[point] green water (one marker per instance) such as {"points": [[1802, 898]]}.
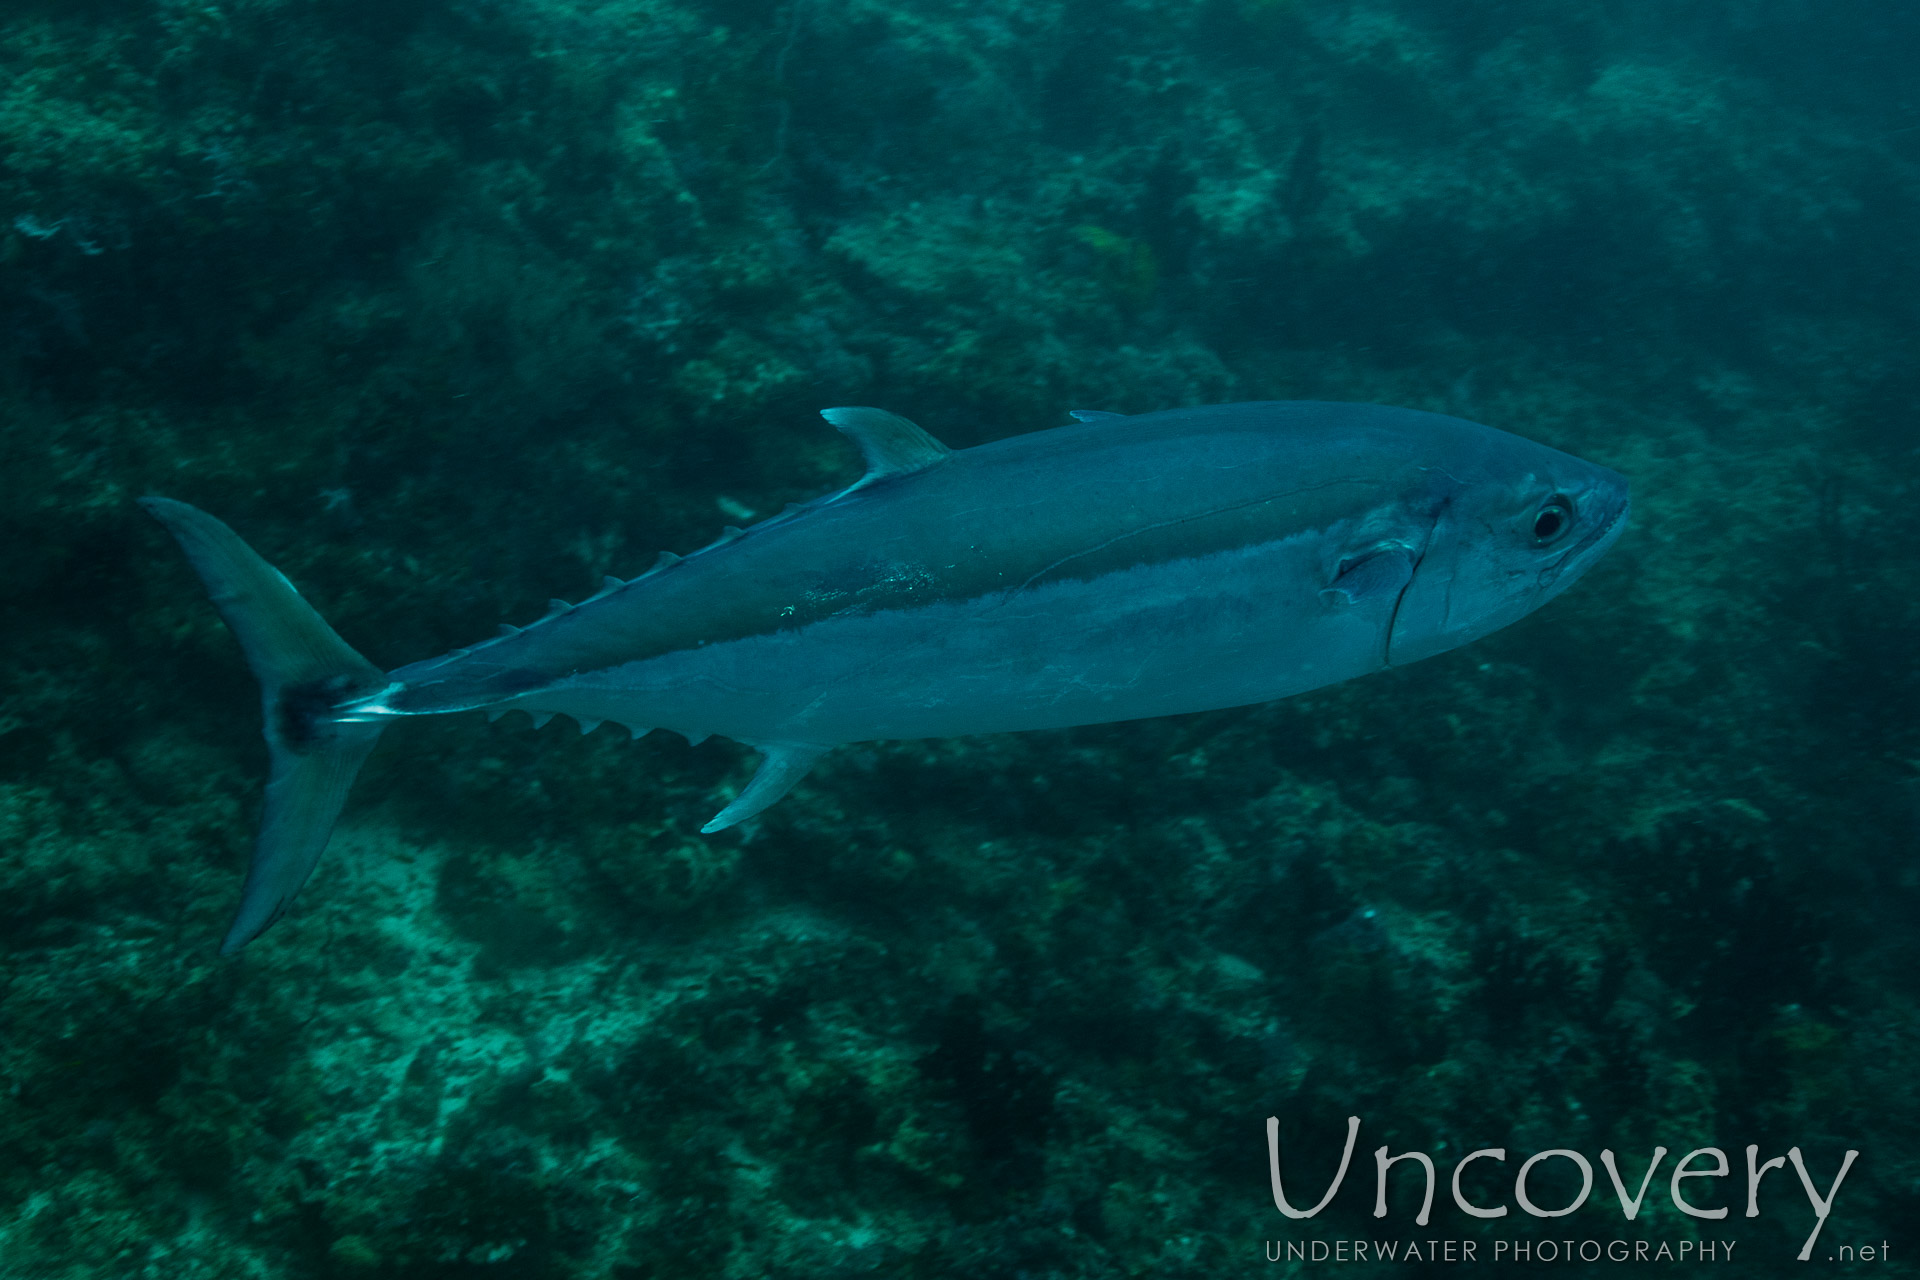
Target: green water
{"points": [[451, 306]]}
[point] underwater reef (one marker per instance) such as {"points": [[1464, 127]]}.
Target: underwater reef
{"points": [[450, 306]]}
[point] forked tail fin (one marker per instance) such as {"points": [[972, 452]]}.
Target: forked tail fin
{"points": [[306, 672]]}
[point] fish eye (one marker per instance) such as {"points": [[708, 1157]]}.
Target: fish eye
{"points": [[1552, 520]]}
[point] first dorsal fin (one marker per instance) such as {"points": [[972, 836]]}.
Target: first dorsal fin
{"points": [[1093, 415], [892, 445]]}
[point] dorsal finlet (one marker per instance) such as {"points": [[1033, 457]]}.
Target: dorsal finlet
{"points": [[892, 445], [666, 561], [508, 629], [611, 583], [556, 607]]}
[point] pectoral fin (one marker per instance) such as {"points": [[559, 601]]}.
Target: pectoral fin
{"points": [[785, 764], [1380, 574]]}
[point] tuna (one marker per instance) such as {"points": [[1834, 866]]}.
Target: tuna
{"points": [[1120, 567]]}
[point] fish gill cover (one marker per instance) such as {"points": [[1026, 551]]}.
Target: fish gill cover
{"points": [[453, 306]]}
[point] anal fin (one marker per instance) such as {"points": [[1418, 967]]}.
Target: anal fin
{"points": [[785, 764]]}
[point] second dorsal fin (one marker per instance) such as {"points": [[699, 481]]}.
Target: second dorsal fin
{"points": [[892, 445]]}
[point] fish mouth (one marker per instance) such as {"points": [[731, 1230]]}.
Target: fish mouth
{"points": [[1603, 537]]}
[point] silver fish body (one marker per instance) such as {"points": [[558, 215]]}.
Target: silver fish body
{"points": [[1117, 568], [1127, 567]]}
